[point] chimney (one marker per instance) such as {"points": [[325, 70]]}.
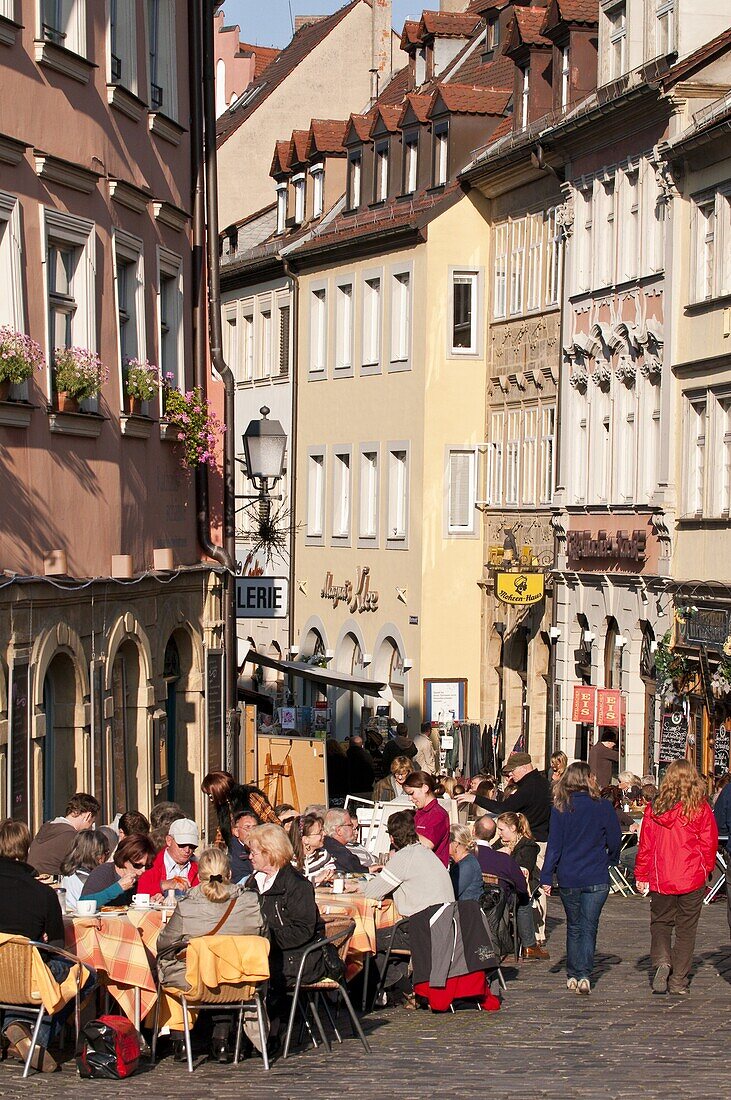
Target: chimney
{"points": [[301, 21], [381, 60]]}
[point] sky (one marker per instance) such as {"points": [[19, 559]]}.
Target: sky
{"points": [[267, 22]]}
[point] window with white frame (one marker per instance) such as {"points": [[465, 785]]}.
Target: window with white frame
{"points": [[266, 345], [162, 55], [130, 292], [554, 258], [283, 335], [548, 453], [629, 230], [400, 316], [534, 281], [397, 493], [500, 282], [704, 247], [695, 452], [372, 321], [664, 27], [461, 490], [722, 487], [341, 494], [723, 224], [512, 457], [616, 15], [368, 528], [355, 162], [411, 162], [298, 182], [281, 207], [380, 174], [315, 494], [170, 310], [495, 458], [12, 311], [625, 472], [344, 326], [123, 44], [7, 9], [231, 340], [318, 330], [530, 456], [517, 266], [63, 22], [565, 76], [247, 342], [649, 437], [604, 199], [318, 190], [70, 281], [600, 442], [654, 210], [464, 312], [585, 239], [441, 153], [524, 96]]}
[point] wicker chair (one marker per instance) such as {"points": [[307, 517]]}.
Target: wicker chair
{"points": [[340, 933], [17, 989], [241, 995]]}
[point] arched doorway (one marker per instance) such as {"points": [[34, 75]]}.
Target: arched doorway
{"points": [[347, 703], [184, 744], [59, 754], [128, 778], [390, 667], [313, 651]]}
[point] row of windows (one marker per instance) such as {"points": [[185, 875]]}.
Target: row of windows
{"points": [[387, 172], [71, 286], [257, 337], [521, 456], [364, 516], [620, 34], [707, 454], [527, 264], [64, 23]]}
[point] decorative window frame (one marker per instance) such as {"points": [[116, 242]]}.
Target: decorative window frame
{"points": [[368, 275], [399, 541], [477, 280], [473, 530], [338, 452], [130, 249], [401, 364], [365, 541]]}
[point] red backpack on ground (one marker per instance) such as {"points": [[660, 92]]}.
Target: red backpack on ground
{"points": [[109, 1047]]}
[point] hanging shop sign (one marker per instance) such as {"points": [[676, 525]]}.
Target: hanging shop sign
{"points": [[707, 626], [721, 750], [610, 708], [621, 545], [357, 596], [583, 711], [520, 589], [261, 597], [673, 736]]}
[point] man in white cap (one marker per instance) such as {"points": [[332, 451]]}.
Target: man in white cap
{"points": [[175, 866]]}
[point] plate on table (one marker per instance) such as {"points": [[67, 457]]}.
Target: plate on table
{"points": [[107, 909]]}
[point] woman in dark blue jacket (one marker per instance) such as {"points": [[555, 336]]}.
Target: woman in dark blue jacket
{"points": [[464, 868], [583, 842]]}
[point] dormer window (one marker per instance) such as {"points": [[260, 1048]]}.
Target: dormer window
{"points": [[281, 207], [524, 97], [355, 161], [441, 153], [381, 173], [664, 27], [298, 182], [616, 15], [492, 34], [411, 162], [318, 190], [565, 75]]}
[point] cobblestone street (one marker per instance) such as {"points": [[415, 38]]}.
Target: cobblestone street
{"points": [[619, 1043]]}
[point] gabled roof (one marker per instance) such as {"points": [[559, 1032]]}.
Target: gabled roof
{"points": [[707, 53], [280, 161], [396, 88], [481, 7], [359, 128], [581, 12], [326, 136], [298, 147], [469, 68], [448, 24], [389, 116], [526, 30], [411, 34], [419, 105], [465, 99], [305, 40]]}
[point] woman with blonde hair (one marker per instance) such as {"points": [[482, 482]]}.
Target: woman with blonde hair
{"points": [[464, 869], [517, 840], [676, 854], [559, 764], [214, 906]]}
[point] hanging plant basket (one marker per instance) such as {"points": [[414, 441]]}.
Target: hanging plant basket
{"points": [[198, 427]]}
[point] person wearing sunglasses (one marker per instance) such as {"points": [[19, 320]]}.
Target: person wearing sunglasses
{"points": [[175, 866], [114, 883]]}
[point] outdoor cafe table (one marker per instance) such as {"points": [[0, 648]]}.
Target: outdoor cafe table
{"points": [[121, 946], [369, 915]]}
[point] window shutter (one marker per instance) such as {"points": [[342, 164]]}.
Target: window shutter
{"points": [[459, 489], [284, 340]]}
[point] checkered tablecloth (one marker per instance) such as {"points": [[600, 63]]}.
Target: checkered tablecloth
{"points": [[369, 916], [121, 947]]}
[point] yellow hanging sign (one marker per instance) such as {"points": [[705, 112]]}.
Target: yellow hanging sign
{"points": [[519, 589]]}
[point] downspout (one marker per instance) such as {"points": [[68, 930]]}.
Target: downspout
{"points": [[228, 557], [294, 279]]}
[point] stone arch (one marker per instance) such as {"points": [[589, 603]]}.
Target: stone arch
{"points": [[59, 638], [174, 618], [349, 629], [389, 651], [128, 628], [186, 764], [313, 626], [128, 684], [349, 653]]}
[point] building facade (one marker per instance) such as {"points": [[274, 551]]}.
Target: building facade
{"points": [[107, 616]]}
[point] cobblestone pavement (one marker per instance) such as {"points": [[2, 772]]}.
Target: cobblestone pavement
{"points": [[547, 1043]]}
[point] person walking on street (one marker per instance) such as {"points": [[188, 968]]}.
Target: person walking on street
{"points": [[677, 853], [722, 813], [583, 842]]}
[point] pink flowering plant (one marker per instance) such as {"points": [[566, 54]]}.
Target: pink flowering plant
{"points": [[19, 356], [142, 379], [198, 426], [79, 372]]}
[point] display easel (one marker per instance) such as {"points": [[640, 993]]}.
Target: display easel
{"points": [[274, 777]]}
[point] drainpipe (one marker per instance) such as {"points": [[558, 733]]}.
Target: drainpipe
{"points": [[294, 279]]}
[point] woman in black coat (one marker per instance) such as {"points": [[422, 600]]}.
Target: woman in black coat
{"points": [[231, 798]]}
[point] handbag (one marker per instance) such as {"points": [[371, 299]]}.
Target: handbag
{"points": [[109, 1048]]}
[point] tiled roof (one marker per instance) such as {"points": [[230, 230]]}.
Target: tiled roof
{"points": [[397, 88], [411, 34], [481, 6], [326, 136], [503, 127], [391, 117], [263, 55], [419, 104], [496, 74], [528, 22], [305, 40], [298, 147], [361, 125], [718, 46], [575, 11], [467, 99], [449, 24], [280, 163]]}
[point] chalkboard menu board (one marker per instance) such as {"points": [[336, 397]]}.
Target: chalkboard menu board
{"points": [[673, 736], [20, 676], [214, 708], [721, 751]]}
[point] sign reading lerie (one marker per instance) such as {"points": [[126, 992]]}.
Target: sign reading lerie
{"points": [[519, 589], [261, 597]]}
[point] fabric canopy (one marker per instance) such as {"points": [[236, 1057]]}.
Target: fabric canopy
{"points": [[347, 682]]}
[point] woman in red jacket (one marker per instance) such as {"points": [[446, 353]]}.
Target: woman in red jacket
{"points": [[676, 854]]}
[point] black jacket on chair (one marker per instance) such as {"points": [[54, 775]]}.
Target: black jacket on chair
{"points": [[27, 906], [294, 923]]}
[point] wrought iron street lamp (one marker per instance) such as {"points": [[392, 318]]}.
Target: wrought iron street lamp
{"points": [[265, 443]]}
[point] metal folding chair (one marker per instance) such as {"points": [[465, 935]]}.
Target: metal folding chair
{"points": [[391, 953], [721, 857]]}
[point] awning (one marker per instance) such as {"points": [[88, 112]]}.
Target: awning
{"points": [[358, 684]]}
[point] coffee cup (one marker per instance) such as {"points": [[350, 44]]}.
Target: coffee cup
{"points": [[141, 901], [86, 907], [338, 885]]}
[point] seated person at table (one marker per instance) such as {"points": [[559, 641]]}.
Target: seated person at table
{"points": [[133, 823], [391, 787], [90, 849], [319, 865], [175, 867], [213, 901], [28, 908], [464, 870], [416, 878], [498, 864], [238, 851], [340, 831], [114, 883], [517, 838], [293, 921], [626, 821], [55, 839]]}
